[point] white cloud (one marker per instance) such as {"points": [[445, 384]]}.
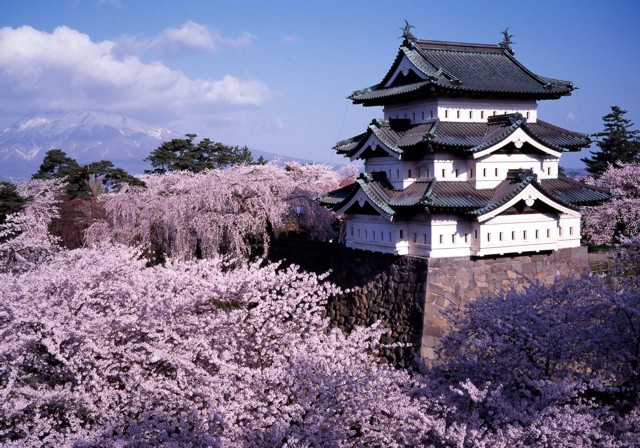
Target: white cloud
{"points": [[191, 37], [66, 70]]}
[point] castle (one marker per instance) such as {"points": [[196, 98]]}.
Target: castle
{"points": [[460, 165]]}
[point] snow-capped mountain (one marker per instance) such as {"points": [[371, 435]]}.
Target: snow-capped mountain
{"points": [[87, 136]]}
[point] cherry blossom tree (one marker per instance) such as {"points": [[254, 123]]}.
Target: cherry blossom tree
{"points": [[25, 240], [221, 211], [620, 217], [551, 364], [99, 349]]}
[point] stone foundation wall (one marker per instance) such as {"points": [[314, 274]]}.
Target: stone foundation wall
{"points": [[408, 294], [380, 288], [451, 282]]}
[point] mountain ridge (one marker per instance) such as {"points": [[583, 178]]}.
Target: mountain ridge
{"points": [[87, 136]]}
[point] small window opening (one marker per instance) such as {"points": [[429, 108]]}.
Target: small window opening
{"points": [[484, 172], [500, 236], [401, 235], [488, 236], [453, 238], [470, 115], [471, 172], [457, 114], [496, 172], [456, 172], [548, 233], [482, 115], [524, 234], [513, 235], [443, 172], [446, 114], [409, 172], [537, 234], [441, 239]]}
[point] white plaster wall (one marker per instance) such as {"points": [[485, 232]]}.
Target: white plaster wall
{"points": [[530, 232], [450, 236], [377, 234], [486, 176], [448, 168], [569, 231], [399, 172], [461, 110], [419, 236]]}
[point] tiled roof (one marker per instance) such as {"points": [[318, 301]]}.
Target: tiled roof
{"points": [[461, 196], [456, 195], [461, 69], [575, 192], [399, 136]]}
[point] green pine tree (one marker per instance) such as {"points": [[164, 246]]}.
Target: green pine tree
{"points": [[10, 200], [618, 143], [183, 155]]}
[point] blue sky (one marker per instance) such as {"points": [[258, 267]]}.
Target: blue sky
{"points": [[274, 75]]}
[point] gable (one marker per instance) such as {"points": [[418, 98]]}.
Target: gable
{"points": [[405, 73], [530, 195], [518, 138], [361, 203]]}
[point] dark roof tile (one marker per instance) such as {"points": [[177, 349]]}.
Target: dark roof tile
{"points": [[452, 67]]}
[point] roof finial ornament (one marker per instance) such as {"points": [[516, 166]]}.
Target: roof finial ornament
{"points": [[406, 32], [506, 40]]}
